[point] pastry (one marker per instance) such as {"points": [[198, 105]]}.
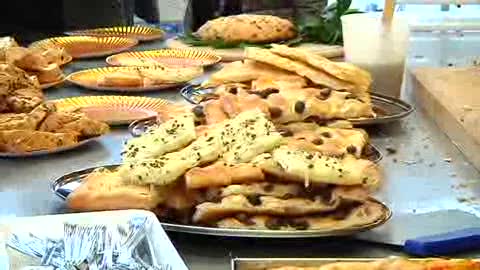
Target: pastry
{"points": [[21, 141], [247, 28], [75, 123]]}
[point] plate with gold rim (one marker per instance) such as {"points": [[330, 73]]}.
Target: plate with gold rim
{"points": [[139, 32], [114, 110], [89, 79], [168, 57], [87, 46]]}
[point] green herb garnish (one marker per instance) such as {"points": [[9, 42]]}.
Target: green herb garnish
{"points": [[325, 26]]}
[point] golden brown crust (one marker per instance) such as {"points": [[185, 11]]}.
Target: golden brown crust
{"points": [[341, 70], [359, 215], [262, 205], [20, 141], [75, 123], [328, 141], [315, 75], [247, 28], [220, 174], [106, 191]]}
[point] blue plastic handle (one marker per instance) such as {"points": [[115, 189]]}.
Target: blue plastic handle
{"points": [[442, 244]]}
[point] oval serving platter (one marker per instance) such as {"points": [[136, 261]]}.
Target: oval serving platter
{"points": [[139, 32], [168, 57], [86, 46], [138, 127], [388, 109], [114, 110], [89, 79], [64, 185], [46, 152]]}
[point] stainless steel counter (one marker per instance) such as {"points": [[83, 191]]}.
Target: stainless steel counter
{"points": [[425, 173]]}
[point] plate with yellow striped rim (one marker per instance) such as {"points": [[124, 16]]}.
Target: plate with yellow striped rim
{"points": [[114, 110], [167, 57], [86, 46], [139, 32], [89, 79]]}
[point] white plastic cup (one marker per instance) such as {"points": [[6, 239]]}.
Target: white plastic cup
{"points": [[377, 47]]}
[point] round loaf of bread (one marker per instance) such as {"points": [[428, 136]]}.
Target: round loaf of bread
{"points": [[247, 28]]}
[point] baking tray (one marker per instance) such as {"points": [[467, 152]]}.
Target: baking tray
{"points": [[268, 263], [64, 185], [138, 127], [388, 109], [51, 226]]}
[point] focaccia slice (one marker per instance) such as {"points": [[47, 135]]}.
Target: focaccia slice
{"points": [[295, 105], [363, 214], [303, 166], [261, 205], [244, 71], [326, 140], [246, 136], [167, 169], [315, 75], [221, 174], [293, 190], [158, 140], [341, 70], [105, 190]]}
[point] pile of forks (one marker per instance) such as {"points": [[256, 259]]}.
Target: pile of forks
{"points": [[93, 247]]}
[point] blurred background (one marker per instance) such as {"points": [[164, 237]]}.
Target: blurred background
{"points": [[438, 27]]}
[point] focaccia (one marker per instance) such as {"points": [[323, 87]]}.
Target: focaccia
{"points": [[105, 190], [354, 216], [158, 140], [315, 75], [292, 190], [168, 168], [298, 165], [261, 205], [221, 174], [341, 70], [245, 71], [326, 140]]}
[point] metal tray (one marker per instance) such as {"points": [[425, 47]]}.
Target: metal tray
{"points": [[388, 109], [138, 127], [268, 263], [64, 185]]}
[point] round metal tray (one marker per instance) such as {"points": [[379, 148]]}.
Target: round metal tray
{"points": [[388, 109], [136, 128], [64, 185]]}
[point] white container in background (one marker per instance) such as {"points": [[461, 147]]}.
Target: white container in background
{"points": [[378, 48]]}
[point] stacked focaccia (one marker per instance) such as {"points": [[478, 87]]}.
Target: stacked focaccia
{"points": [[291, 84], [242, 172]]}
